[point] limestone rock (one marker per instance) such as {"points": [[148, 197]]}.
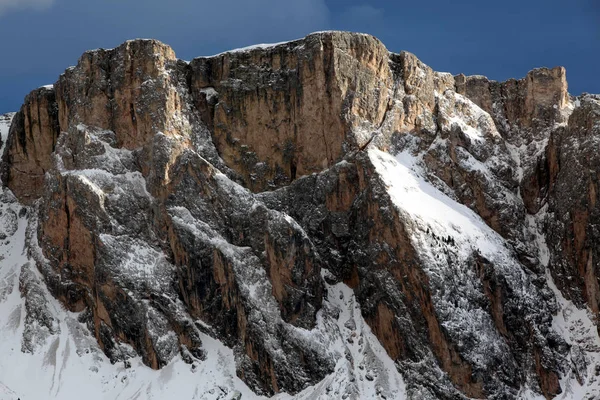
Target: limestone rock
{"points": [[529, 105], [236, 196], [30, 144], [572, 207], [291, 110]]}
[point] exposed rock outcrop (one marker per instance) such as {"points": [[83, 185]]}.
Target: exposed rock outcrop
{"points": [[290, 110], [227, 195], [573, 204], [30, 144], [529, 104]]}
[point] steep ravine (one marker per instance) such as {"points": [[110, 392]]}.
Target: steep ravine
{"points": [[319, 219]]}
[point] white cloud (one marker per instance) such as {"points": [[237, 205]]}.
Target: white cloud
{"points": [[9, 5]]}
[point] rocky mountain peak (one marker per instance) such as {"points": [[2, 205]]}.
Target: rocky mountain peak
{"points": [[534, 101], [345, 221]]}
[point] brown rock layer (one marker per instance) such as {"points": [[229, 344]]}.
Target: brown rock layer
{"points": [[573, 205], [533, 102], [30, 144], [288, 111]]}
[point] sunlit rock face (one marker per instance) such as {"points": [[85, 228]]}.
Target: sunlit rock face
{"points": [[320, 219]]}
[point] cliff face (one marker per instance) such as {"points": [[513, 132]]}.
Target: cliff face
{"points": [[281, 113], [337, 214]]}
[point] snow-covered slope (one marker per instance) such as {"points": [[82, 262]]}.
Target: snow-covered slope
{"points": [[447, 234], [68, 363]]}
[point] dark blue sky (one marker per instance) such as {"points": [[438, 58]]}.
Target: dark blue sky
{"points": [[500, 39]]}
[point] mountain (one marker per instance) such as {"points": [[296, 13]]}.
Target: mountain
{"points": [[316, 219]]}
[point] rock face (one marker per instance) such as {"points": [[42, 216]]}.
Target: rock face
{"points": [[572, 182], [35, 131], [284, 112], [252, 195]]}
